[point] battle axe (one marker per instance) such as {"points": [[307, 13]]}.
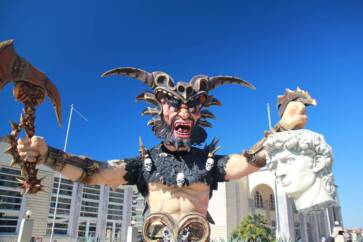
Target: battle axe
{"points": [[30, 88]]}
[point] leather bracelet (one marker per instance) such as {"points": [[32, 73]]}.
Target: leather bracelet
{"points": [[55, 159], [58, 159], [253, 155]]}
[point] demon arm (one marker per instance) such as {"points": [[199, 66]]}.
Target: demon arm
{"points": [[239, 165], [86, 170]]}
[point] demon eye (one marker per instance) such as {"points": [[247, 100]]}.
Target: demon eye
{"points": [[174, 102], [195, 108]]}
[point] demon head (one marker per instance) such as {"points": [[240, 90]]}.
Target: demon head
{"points": [[180, 110]]}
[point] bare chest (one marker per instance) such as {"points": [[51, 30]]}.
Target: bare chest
{"points": [[178, 201]]}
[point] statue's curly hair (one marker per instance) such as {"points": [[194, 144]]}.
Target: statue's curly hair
{"points": [[302, 142]]}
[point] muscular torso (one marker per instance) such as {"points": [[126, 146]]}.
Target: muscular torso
{"points": [[178, 201], [160, 185]]}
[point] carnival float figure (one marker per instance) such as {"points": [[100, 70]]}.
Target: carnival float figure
{"points": [[302, 162], [175, 177]]}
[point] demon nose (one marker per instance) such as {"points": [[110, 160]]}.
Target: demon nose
{"points": [[184, 112]]}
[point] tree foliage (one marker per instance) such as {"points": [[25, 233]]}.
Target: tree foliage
{"points": [[254, 228]]}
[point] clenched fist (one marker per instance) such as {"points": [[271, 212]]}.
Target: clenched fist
{"points": [[32, 150], [294, 116]]}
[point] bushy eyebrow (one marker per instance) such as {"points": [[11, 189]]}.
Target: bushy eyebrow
{"points": [[176, 102], [173, 102]]}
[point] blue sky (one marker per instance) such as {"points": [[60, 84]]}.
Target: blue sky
{"points": [[316, 45]]}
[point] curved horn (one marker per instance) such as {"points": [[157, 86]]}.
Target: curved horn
{"points": [[135, 73], [217, 81]]}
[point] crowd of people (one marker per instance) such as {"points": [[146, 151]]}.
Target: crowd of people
{"points": [[344, 235]]}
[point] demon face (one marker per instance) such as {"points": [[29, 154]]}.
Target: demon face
{"points": [[180, 110], [181, 119]]}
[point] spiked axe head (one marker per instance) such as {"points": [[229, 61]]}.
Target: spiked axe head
{"points": [[31, 85], [30, 88]]}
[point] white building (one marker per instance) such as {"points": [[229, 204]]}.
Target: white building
{"points": [[82, 211]]}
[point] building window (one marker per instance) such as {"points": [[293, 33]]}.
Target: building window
{"points": [[90, 201], [271, 202], [10, 199], [258, 200], [114, 215], [115, 201], [86, 231], [82, 229], [297, 230], [138, 206], [63, 206]]}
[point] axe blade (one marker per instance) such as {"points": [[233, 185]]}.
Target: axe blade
{"points": [[14, 68]]}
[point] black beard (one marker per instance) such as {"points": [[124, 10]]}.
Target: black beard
{"points": [[165, 132]]}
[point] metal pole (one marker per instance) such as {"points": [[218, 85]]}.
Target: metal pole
{"points": [[276, 196], [269, 116], [60, 175]]}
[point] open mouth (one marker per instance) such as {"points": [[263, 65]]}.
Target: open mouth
{"points": [[182, 129]]}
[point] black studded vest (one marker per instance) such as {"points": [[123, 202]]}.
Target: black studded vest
{"points": [[166, 165]]}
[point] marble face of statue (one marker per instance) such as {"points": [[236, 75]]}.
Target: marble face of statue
{"points": [[295, 172], [302, 162]]}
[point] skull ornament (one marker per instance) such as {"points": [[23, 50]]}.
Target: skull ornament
{"points": [[180, 179], [210, 163], [148, 164], [167, 235]]}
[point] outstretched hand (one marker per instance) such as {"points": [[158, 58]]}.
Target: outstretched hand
{"points": [[32, 150], [294, 116]]}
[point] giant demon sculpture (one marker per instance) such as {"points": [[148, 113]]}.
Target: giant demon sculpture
{"points": [[175, 177]]}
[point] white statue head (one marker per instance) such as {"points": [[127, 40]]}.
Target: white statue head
{"points": [[302, 161], [148, 164], [209, 164], [180, 179]]}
